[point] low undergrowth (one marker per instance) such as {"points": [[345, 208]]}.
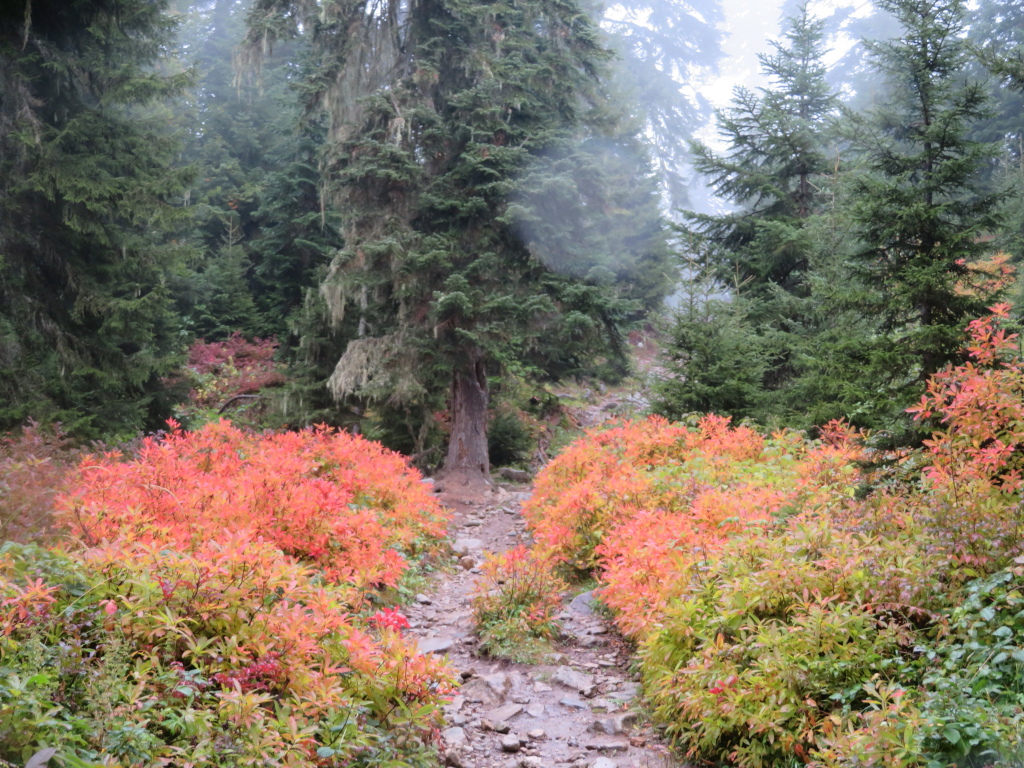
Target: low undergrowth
{"points": [[784, 616], [223, 607], [515, 605]]}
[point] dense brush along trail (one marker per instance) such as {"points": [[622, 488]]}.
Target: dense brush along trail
{"points": [[577, 708]]}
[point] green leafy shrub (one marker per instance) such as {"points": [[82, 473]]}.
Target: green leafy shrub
{"points": [[509, 440], [515, 605], [775, 639]]}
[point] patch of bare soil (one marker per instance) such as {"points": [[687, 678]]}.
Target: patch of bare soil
{"points": [[578, 708]]}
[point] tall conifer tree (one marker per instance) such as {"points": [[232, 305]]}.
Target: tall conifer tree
{"points": [[759, 253], [87, 204], [778, 141], [918, 210], [469, 160]]}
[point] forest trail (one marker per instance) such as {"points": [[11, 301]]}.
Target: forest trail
{"points": [[577, 709]]}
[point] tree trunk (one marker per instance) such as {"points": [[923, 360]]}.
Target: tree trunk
{"points": [[467, 462]]}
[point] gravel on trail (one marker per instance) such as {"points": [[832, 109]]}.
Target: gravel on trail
{"points": [[576, 709]]}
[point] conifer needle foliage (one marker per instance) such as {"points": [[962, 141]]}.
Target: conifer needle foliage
{"points": [[88, 197], [495, 213]]}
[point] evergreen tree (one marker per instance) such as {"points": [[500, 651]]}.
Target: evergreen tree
{"points": [[759, 254], [465, 158], [87, 207], [257, 210], [997, 34], [662, 47], [917, 211], [778, 143]]}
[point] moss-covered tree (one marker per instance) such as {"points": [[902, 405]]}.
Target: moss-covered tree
{"points": [[468, 157]]}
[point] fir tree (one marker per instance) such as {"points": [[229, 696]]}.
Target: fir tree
{"points": [[917, 209], [465, 159], [760, 253], [777, 145], [87, 207], [663, 46]]}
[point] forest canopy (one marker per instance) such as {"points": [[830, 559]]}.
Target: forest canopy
{"points": [[410, 219]]}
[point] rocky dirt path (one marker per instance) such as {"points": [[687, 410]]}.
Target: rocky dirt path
{"points": [[577, 709]]}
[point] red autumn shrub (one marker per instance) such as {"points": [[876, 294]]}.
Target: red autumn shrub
{"points": [[232, 367], [231, 653], [646, 501], [349, 506]]}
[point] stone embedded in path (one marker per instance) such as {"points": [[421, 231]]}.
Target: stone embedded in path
{"points": [[454, 705], [498, 683], [536, 733], [424, 600], [578, 681], [607, 746], [603, 762], [516, 475], [532, 761], [614, 725], [535, 710], [479, 690], [581, 604], [510, 743], [454, 737], [504, 713], [603, 705], [541, 687], [435, 645], [573, 703], [626, 692], [464, 547]]}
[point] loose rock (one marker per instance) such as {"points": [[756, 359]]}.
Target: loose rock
{"points": [[614, 725], [454, 737], [463, 547], [435, 645], [510, 743], [505, 713], [573, 703], [578, 681], [581, 604]]}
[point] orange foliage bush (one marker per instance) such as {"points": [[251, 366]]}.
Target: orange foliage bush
{"points": [[349, 506], [782, 618], [647, 501], [216, 614]]}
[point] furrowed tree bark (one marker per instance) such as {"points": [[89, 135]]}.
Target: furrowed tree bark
{"points": [[467, 462]]}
